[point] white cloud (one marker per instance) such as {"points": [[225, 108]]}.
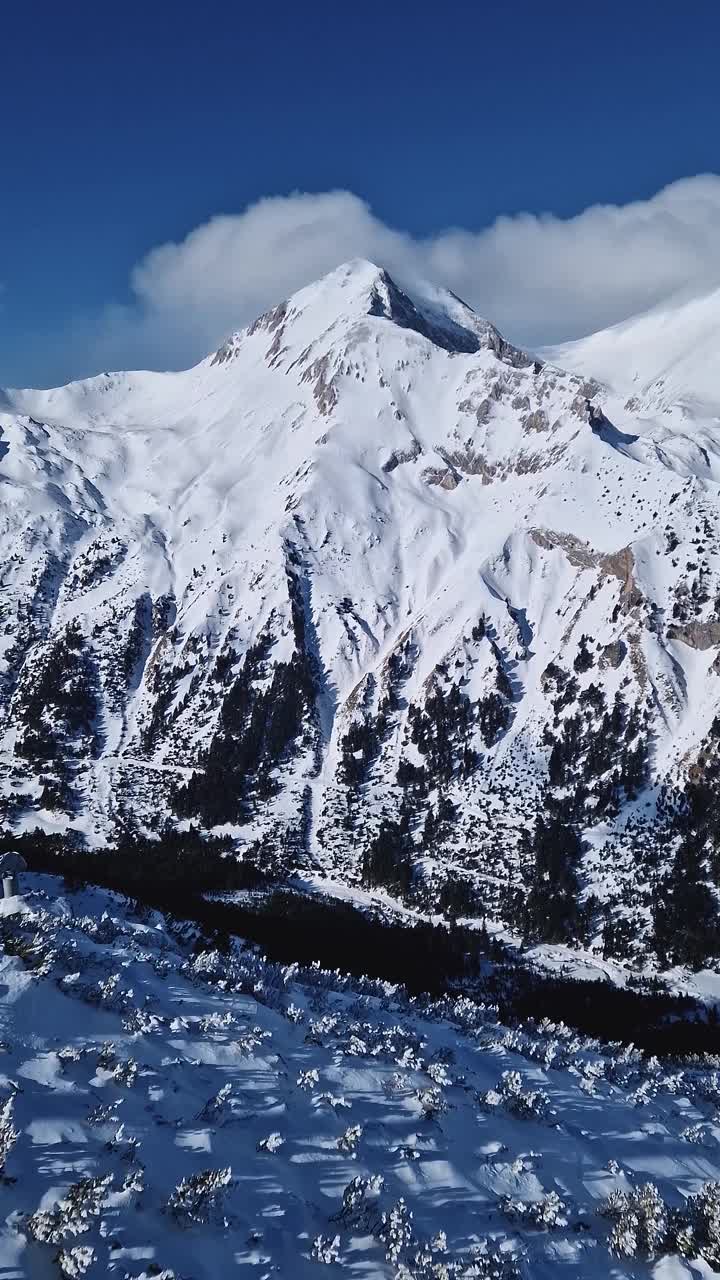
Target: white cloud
{"points": [[540, 278]]}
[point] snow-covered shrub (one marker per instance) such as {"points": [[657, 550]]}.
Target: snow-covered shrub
{"points": [[70, 1053], [134, 1180], [140, 1022], [694, 1133], [406, 1153], [126, 1146], [336, 1101], [72, 1215], [295, 1015], [215, 1106], [325, 1249], [307, 1079], [73, 1263], [247, 1041], [360, 1207], [488, 1263], [640, 1220], [410, 1061], [431, 1102], [271, 1144], [104, 1112], [531, 1103], [347, 1142], [125, 1073], [108, 993], [395, 1084], [547, 1213], [195, 1199], [216, 1022], [396, 1231], [438, 1074], [319, 1027]]}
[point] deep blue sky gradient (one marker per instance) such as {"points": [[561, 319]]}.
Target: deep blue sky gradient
{"points": [[127, 124]]}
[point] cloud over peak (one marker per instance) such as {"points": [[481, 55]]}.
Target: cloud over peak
{"points": [[540, 278]]}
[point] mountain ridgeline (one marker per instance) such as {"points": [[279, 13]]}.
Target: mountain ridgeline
{"points": [[378, 598]]}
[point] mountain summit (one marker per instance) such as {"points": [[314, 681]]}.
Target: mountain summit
{"points": [[369, 591]]}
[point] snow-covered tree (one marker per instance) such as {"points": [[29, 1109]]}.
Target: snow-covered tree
{"points": [[640, 1220], [8, 1132], [196, 1198], [71, 1216]]}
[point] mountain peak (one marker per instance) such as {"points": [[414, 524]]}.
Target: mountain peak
{"points": [[360, 289]]}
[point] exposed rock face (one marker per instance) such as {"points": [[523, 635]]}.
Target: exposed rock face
{"points": [[536, 421], [613, 654], [398, 456], [698, 635]]}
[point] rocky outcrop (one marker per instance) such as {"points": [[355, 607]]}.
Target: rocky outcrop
{"points": [[697, 635]]}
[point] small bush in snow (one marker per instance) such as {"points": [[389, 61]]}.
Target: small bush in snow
{"points": [[531, 1103], [395, 1085], [432, 1102], [196, 1198], [396, 1232], [271, 1144], [104, 1112], [694, 1133], [332, 1100], [215, 1106], [248, 1041], [307, 1079], [134, 1180], [547, 1213], [347, 1142], [74, 1262], [324, 1249], [216, 1022], [438, 1074], [140, 1022], [359, 1207]]}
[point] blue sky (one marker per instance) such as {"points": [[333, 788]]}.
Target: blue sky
{"points": [[130, 126]]}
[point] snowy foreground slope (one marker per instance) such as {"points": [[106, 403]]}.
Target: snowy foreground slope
{"points": [[167, 1110], [366, 564]]}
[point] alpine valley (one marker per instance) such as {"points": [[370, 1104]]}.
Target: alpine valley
{"points": [[390, 606]]}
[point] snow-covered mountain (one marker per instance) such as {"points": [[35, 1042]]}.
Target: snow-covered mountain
{"points": [[361, 590]]}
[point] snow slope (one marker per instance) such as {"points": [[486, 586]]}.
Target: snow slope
{"points": [[407, 1139], [664, 357], [343, 569]]}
